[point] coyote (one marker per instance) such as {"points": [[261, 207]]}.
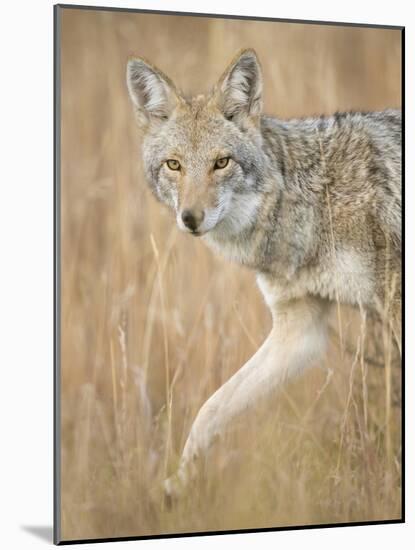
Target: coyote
{"points": [[312, 205]]}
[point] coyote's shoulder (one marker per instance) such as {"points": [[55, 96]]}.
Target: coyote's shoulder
{"points": [[338, 228]]}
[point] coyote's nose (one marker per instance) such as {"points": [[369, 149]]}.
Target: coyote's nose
{"points": [[192, 219]]}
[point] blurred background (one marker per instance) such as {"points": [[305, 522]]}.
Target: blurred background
{"points": [[153, 322]]}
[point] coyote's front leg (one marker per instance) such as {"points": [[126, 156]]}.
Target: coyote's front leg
{"points": [[297, 337]]}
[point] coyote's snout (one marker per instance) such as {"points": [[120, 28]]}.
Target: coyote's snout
{"points": [[312, 205]]}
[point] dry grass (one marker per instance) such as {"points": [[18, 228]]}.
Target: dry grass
{"points": [[153, 323]]}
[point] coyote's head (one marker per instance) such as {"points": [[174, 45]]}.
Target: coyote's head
{"points": [[202, 156]]}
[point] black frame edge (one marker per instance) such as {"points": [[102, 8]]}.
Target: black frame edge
{"points": [[403, 366], [56, 277], [233, 532], [226, 16]]}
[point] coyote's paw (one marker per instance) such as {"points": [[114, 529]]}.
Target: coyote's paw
{"points": [[173, 490]]}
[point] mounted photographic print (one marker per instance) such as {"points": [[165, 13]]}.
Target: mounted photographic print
{"points": [[228, 274]]}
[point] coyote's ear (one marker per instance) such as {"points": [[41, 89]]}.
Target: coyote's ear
{"points": [[239, 90], [153, 94]]}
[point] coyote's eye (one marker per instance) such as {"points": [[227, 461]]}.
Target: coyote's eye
{"points": [[173, 164], [221, 163]]}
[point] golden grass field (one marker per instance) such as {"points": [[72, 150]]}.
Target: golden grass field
{"points": [[152, 322]]}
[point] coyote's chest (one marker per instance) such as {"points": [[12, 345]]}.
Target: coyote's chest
{"points": [[347, 276]]}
